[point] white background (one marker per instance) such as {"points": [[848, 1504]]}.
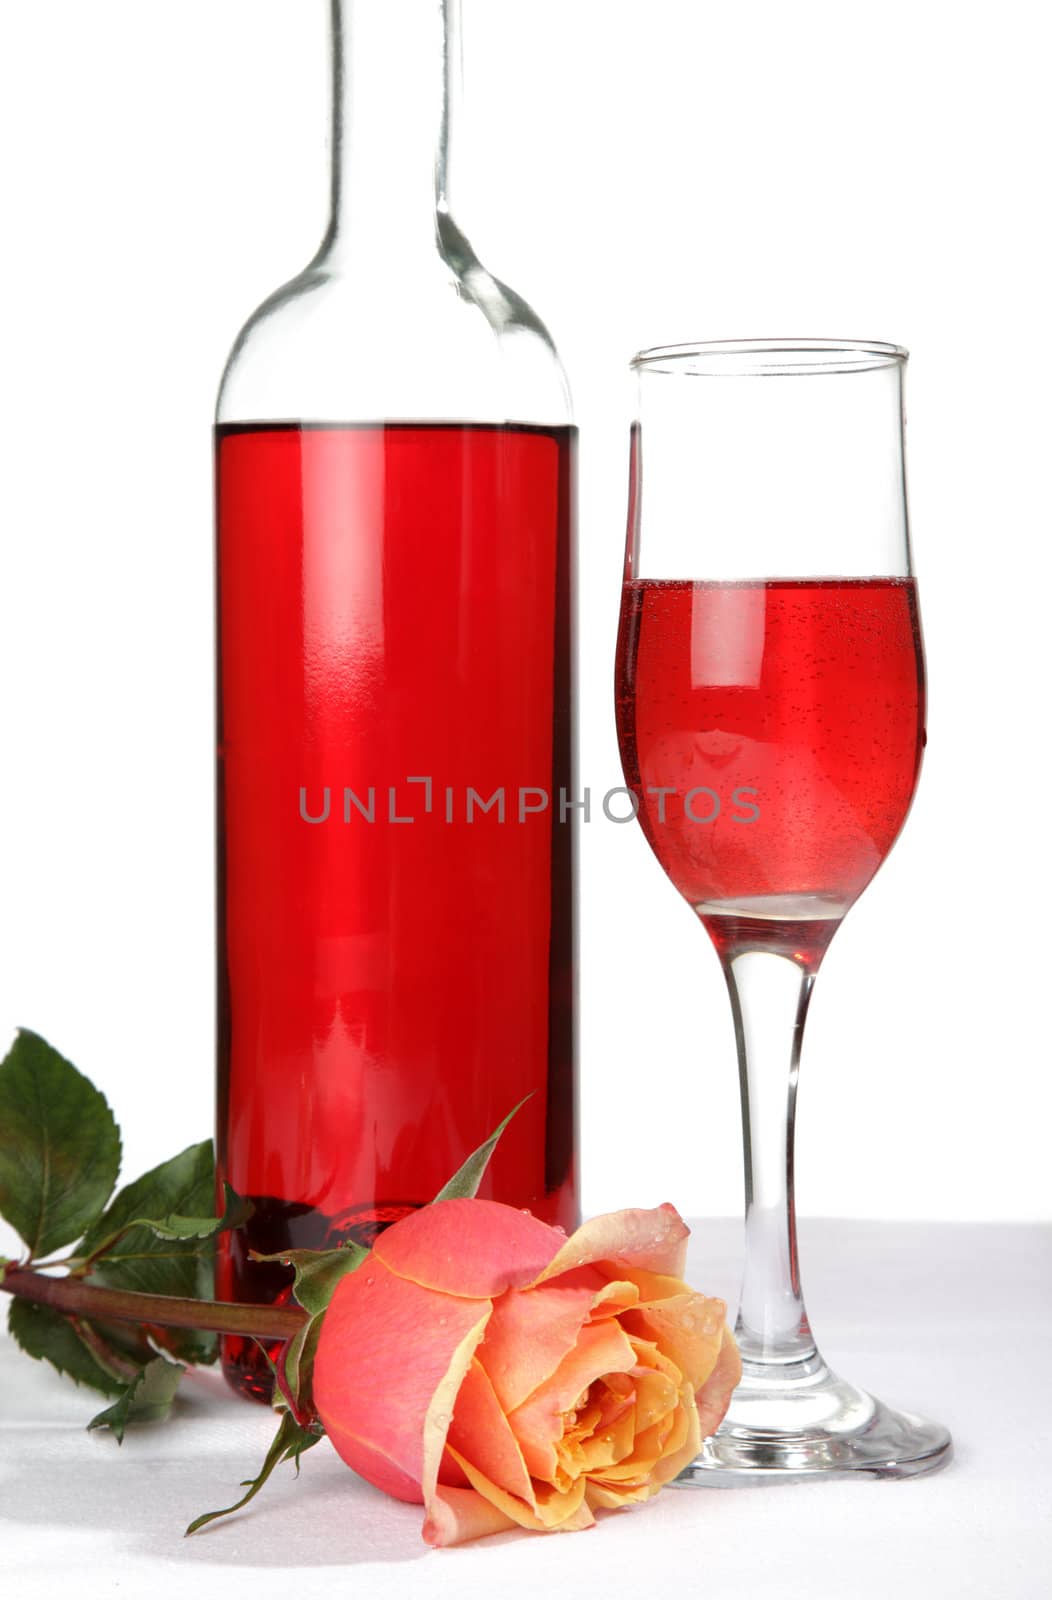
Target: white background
{"points": [[643, 173]]}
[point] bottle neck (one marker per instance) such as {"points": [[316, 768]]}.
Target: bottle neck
{"points": [[395, 66]]}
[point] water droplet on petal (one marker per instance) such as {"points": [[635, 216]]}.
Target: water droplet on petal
{"points": [[526, 1211]]}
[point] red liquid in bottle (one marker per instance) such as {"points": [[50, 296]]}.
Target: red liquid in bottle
{"points": [[396, 963], [787, 720]]}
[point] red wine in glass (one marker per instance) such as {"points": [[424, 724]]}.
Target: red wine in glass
{"points": [[771, 733], [396, 948], [770, 706]]}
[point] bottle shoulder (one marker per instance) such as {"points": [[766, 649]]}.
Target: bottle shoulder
{"points": [[441, 338]]}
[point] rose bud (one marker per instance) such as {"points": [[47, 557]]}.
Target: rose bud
{"points": [[483, 1363]]}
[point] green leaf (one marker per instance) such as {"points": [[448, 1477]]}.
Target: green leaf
{"points": [[155, 1238], [131, 1253], [148, 1398], [235, 1211], [317, 1274], [464, 1184], [47, 1335], [290, 1442], [185, 1184], [297, 1370], [60, 1148], [317, 1271]]}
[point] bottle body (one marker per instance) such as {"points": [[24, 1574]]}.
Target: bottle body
{"points": [[396, 960]]}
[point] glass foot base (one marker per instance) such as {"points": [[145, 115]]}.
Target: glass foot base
{"points": [[812, 1424]]}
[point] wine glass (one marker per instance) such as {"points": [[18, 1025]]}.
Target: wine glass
{"points": [[770, 708]]}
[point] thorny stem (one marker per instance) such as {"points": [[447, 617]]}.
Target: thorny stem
{"points": [[78, 1299], [108, 1358]]}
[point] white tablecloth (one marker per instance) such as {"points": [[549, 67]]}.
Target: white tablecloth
{"points": [[952, 1320]]}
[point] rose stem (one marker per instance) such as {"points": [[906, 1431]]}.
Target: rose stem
{"points": [[126, 1305]]}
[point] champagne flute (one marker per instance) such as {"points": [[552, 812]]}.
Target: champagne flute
{"points": [[770, 707]]}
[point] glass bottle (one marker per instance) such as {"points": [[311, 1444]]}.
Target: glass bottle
{"points": [[395, 525]]}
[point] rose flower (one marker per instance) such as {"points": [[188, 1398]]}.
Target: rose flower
{"points": [[483, 1363]]}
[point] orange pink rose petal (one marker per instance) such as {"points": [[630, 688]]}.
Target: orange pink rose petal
{"points": [[439, 1414], [538, 1423], [476, 1248], [456, 1515], [529, 1333], [687, 1328], [552, 1508], [654, 1239], [713, 1397], [387, 1344], [481, 1432]]}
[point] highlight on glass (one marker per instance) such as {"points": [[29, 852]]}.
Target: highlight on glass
{"points": [[770, 706]]}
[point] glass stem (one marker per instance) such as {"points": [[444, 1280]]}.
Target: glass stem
{"points": [[769, 997]]}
